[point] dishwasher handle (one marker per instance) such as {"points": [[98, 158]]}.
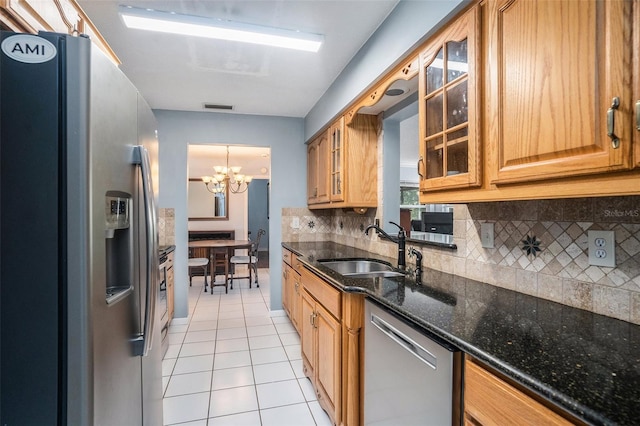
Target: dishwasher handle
{"points": [[405, 341]]}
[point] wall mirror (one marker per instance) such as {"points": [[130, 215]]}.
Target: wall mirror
{"points": [[204, 205]]}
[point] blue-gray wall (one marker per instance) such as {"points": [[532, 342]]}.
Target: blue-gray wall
{"points": [[410, 23], [258, 217], [178, 129]]}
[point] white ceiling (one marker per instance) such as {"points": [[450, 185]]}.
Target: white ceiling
{"points": [[182, 73]]}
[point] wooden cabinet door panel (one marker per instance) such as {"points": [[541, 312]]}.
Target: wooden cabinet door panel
{"points": [[286, 304], [557, 66], [307, 334], [328, 372]]}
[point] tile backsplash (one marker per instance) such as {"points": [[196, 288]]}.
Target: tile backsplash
{"points": [[166, 227], [559, 271]]}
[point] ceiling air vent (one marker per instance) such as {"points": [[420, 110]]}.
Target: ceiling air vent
{"points": [[218, 107]]}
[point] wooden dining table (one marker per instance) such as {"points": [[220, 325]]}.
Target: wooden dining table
{"points": [[230, 245]]}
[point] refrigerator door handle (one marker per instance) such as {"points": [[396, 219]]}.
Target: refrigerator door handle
{"points": [[142, 344]]}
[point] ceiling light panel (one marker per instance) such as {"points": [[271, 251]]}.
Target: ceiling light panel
{"points": [[174, 23]]}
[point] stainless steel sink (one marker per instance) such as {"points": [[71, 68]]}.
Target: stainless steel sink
{"points": [[361, 268]]}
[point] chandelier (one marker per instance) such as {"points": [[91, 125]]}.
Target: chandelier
{"points": [[227, 177]]}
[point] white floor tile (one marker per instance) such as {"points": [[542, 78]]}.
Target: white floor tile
{"points": [[261, 330], [261, 342], [183, 384], [232, 307], [290, 415], [231, 323], [319, 415], [200, 348], [274, 372], [232, 345], [165, 382], [177, 328], [264, 312], [290, 339], [293, 352], [204, 315], [307, 389], [280, 320], [203, 325], [297, 368], [233, 401], [231, 315], [268, 355], [279, 393], [254, 321], [175, 338], [196, 423], [285, 328], [232, 378], [232, 360], [167, 366], [193, 364], [200, 336], [172, 351], [251, 418], [232, 333], [185, 408]]}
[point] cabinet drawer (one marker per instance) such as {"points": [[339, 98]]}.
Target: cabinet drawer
{"points": [[286, 256], [492, 401], [323, 292]]}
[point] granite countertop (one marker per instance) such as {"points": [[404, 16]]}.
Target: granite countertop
{"points": [[586, 363], [166, 249]]}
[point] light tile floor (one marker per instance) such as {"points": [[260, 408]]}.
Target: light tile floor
{"points": [[232, 363]]}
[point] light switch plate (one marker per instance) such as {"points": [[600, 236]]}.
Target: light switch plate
{"points": [[295, 222], [487, 235], [602, 248]]}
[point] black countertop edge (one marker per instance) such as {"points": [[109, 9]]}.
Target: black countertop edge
{"points": [[546, 391], [166, 249]]}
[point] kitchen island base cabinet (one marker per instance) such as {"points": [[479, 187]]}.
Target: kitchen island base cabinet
{"points": [[489, 400], [331, 344]]}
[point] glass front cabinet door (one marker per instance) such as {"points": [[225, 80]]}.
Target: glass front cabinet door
{"points": [[449, 111], [337, 150]]}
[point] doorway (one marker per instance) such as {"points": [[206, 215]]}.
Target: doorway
{"points": [[258, 217]]}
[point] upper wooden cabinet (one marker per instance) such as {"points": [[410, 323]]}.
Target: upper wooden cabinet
{"points": [[317, 170], [561, 82], [60, 16], [449, 106], [347, 163], [636, 82]]}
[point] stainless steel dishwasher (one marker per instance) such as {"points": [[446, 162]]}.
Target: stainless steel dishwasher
{"points": [[408, 377]]}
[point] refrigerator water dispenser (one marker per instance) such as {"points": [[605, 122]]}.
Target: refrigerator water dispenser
{"points": [[119, 246]]}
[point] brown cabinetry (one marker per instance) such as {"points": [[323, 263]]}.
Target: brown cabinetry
{"points": [[561, 73], [343, 165], [490, 400], [317, 170], [449, 106], [61, 16], [330, 340], [291, 287], [170, 286]]}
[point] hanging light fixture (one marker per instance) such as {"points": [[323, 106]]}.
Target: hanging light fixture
{"points": [[226, 176]]}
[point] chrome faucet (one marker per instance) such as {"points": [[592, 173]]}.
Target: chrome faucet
{"points": [[418, 255], [400, 240]]}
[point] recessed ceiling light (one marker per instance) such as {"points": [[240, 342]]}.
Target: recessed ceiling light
{"points": [[197, 26]]}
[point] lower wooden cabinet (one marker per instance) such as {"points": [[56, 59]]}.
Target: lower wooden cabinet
{"points": [[489, 400], [331, 344], [291, 287], [170, 286]]}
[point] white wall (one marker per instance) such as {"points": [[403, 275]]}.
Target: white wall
{"points": [[285, 137], [408, 25]]}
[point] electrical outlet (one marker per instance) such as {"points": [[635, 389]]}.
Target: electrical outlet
{"points": [[487, 232], [295, 222], [602, 248]]}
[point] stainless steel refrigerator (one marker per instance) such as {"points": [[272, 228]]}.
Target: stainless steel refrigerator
{"points": [[79, 328]]}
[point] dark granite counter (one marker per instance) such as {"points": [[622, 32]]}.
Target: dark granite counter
{"points": [[166, 249], [586, 363]]}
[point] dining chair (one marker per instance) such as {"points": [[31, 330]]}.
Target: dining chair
{"points": [[220, 266], [251, 260], [198, 262]]}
